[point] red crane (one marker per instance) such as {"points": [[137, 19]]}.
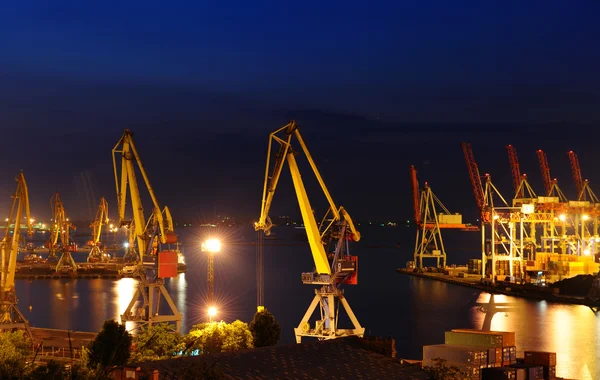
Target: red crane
{"points": [[545, 168], [576, 169], [415, 190], [516, 171], [475, 180]]}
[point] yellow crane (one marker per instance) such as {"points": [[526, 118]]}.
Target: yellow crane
{"points": [[11, 316], [97, 253], [152, 264], [61, 231], [328, 241]]}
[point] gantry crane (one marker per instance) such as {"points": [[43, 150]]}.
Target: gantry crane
{"points": [[153, 264], [550, 184], [60, 237], [502, 233], [328, 241], [10, 316], [96, 253], [430, 222], [523, 191], [587, 208]]}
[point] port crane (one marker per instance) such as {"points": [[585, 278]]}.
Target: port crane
{"points": [[11, 317], [153, 265], [431, 216], [502, 232], [97, 253], [328, 241], [60, 232]]}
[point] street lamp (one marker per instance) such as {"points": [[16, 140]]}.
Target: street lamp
{"points": [[212, 312], [211, 246]]}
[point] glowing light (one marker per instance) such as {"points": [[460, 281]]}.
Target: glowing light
{"points": [[496, 216], [212, 312], [111, 226], [126, 245], [562, 217], [586, 252], [585, 216], [211, 245]]}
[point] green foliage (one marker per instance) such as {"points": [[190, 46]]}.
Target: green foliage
{"points": [[52, 370], [111, 347], [265, 329], [15, 347], [442, 371], [213, 337], [155, 343]]}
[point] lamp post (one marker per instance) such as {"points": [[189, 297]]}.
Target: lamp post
{"points": [[211, 246]]}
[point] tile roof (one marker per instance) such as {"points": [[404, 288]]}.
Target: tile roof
{"points": [[342, 358]]}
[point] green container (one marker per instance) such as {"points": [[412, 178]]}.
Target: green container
{"points": [[473, 340]]}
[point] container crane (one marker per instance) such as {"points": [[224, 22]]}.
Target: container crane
{"points": [[153, 264], [11, 317], [550, 185], [97, 253], [328, 241], [430, 222], [587, 207], [523, 191], [60, 237]]}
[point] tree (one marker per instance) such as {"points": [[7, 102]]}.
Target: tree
{"points": [[111, 347], [265, 329], [15, 347], [155, 343], [442, 371], [213, 337]]}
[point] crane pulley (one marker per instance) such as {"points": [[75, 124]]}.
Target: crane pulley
{"points": [[10, 316], [328, 240], [149, 234]]}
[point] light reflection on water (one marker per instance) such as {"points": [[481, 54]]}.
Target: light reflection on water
{"points": [[568, 330]]}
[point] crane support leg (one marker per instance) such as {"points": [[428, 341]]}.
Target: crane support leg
{"points": [[66, 260], [327, 326], [11, 317], [149, 313]]}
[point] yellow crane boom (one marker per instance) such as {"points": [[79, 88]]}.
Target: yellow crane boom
{"points": [[125, 147], [10, 316], [100, 220], [314, 234], [332, 268]]}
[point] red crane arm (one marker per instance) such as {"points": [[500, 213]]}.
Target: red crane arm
{"points": [[474, 174], [415, 191], [576, 172], [516, 170], [545, 168]]}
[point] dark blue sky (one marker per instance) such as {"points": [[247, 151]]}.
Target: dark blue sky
{"points": [[377, 86]]}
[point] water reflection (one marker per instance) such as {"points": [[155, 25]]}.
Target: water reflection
{"points": [[568, 330], [177, 288], [123, 291]]}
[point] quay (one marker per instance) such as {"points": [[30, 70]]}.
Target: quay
{"points": [[59, 345], [84, 270], [529, 291]]}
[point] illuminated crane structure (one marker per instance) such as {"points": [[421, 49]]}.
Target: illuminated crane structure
{"points": [[502, 229], [60, 238], [11, 317], [152, 264], [430, 222], [554, 204], [586, 210], [96, 253], [328, 241]]}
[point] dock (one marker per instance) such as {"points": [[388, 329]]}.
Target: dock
{"points": [[503, 287], [60, 345], [84, 270]]}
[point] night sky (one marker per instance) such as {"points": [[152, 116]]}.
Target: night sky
{"points": [[375, 86]]}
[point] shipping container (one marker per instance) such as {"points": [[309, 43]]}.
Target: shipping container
{"points": [[532, 372], [549, 372], [472, 356], [499, 373], [542, 358], [508, 337]]}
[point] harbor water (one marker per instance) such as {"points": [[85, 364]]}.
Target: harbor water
{"points": [[414, 311]]}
